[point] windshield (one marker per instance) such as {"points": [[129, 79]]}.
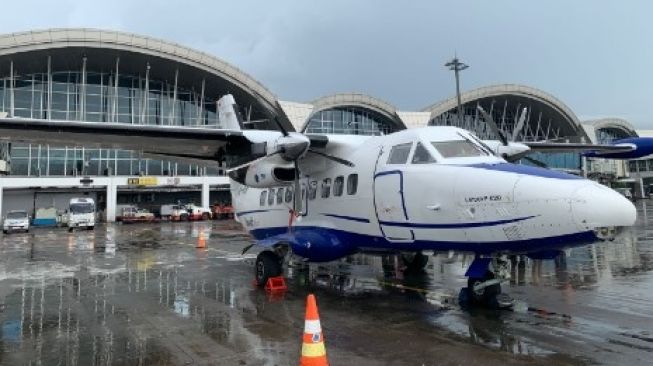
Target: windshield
{"points": [[81, 208], [17, 215], [458, 149]]}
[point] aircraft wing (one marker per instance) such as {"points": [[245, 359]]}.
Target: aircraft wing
{"points": [[544, 146], [171, 141]]}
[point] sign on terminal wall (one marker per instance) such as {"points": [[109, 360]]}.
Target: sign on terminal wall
{"points": [[142, 181]]}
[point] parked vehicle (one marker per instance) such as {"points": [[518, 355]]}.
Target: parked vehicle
{"points": [[143, 214], [171, 212], [198, 212], [131, 213], [222, 211], [125, 211], [16, 220], [81, 213], [626, 192]]}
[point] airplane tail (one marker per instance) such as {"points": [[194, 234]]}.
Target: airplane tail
{"points": [[228, 114]]}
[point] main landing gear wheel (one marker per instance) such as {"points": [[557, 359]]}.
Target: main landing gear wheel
{"points": [[416, 264], [483, 295], [486, 291], [268, 264]]}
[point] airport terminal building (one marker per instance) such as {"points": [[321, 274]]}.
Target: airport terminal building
{"points": [[116, 77]]}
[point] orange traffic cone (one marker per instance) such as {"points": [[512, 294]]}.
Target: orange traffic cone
{"points": [[313, 350], [201, 242]]}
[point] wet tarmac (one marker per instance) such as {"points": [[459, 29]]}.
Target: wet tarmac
{"points": [[143, 294]]}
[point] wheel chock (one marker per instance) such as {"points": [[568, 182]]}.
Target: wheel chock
{"points": [[276, 284]]}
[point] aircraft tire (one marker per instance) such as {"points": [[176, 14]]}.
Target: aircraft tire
{"points": [[267, 265], [416, 264], [488, 294]]}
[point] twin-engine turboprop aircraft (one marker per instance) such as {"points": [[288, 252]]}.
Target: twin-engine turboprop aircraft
{"points": [[323, 197]]}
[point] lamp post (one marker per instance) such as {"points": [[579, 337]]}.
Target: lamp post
{"points": [[457, 66]]}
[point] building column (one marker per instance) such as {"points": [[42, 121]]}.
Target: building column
{"points": [[1, 195], [205, 194], [112, 199]]}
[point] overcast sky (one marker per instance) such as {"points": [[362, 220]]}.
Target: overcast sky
{"points": [[596, 56]]}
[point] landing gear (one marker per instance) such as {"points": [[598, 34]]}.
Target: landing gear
{"points": [[484, 284], [416, 263], [484, 290], [268, 264]]}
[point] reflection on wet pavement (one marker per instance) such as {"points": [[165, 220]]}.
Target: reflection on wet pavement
{"points": [[144, 294]]}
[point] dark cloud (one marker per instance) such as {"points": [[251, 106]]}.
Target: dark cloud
{"points": [[593, 55]]}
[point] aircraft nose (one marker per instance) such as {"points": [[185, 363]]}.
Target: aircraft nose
{"points": [[595, 206]]}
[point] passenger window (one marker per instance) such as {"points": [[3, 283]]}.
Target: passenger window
{"points": [[352, 184], [326, 188], [289, 192], [271, 197], [264, 197], [312, 190], [399, 153], [280, 196], [421, 155], [338, 186]]}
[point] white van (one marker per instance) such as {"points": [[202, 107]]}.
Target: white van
{"points": [[16, 220], [81, 213]]}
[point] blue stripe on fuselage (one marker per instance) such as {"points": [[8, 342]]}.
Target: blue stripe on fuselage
{"points": [[349, 218], [363, 242], [243, 213], [453, 225], [525, 170]]}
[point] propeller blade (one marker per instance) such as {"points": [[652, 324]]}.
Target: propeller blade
{"points": [[297, 198], [283, 130], [535, 162], [251, 162], [493, 126], [519, 125], [333, 158]]}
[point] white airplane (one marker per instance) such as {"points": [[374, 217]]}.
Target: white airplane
{"points": [[431, 189]]}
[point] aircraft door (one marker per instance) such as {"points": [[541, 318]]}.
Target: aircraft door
{"points": [[390, 206]]}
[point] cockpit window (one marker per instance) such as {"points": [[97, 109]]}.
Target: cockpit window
{"points": [[421, 155], [458, 149], [399, 153]]}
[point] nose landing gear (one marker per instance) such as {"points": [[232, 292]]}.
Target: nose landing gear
{"points": [[485, 276]]}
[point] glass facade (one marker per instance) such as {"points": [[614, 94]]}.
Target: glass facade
{"points": [[107, 96], [539, 124], [351, 120], [567, 161], [608, 135]]}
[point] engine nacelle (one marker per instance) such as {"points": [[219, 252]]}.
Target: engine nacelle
{"points": [[268, 174]]}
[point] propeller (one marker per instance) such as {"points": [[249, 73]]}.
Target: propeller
{"points": [[535, 162], [493, 126], [333, 158], [513, 136], [297, 191], [519, 125]]}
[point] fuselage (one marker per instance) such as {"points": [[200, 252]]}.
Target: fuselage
{"points": [[434, 188]]}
